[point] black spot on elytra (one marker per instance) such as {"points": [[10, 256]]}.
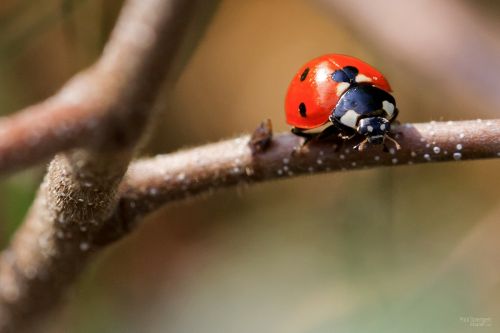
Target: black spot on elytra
{"points": [[304, 74], [302, 110]]}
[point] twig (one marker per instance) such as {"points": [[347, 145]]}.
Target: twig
{"points": [[104, 109], [151, 183]]}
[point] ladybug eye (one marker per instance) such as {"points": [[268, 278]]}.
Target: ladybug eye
{"points": [[304, 74], [302, 110]]}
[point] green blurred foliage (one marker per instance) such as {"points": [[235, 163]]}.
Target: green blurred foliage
{"points": [[17, 194]]}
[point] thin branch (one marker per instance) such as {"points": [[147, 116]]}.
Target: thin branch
{"points": [[151, 183], [104, 109]]}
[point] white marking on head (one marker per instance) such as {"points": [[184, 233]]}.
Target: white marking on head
{"points": [[350, 118], [342, 87], [388, 107], [363, 78], [382, 127], [369, 128]]}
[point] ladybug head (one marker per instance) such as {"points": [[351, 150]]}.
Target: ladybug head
{"points": [[374, 128]]}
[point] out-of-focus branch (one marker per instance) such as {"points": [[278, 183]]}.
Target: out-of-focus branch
{"points": [[93, 109], [151, 183], [105, 109]]}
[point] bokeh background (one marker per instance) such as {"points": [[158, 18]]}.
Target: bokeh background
{"points": [[403, 249]]}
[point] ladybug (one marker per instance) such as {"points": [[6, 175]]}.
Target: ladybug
{"points": [[344, 93]]}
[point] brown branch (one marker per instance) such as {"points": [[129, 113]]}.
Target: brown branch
{"points": [[151, 183], [104, 109], [94, 109]]}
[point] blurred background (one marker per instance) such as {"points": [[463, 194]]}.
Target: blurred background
{"points": [[403, 249]]}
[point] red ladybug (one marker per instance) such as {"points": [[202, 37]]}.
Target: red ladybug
{"points": [[345, 91]]}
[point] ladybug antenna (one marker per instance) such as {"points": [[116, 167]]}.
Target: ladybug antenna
{"points": [[398, 147]]}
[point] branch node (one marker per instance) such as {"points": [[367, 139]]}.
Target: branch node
{"points": [[261, 137]]}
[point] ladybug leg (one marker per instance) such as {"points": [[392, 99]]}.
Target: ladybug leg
{"points": [[348, 136], [396, 144], [307, 136], [332, 132], [328, 132], [361, 146], [346, 133], [340, 133]]}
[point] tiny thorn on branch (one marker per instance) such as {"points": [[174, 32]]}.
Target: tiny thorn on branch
{"points": [[261, 138]]}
